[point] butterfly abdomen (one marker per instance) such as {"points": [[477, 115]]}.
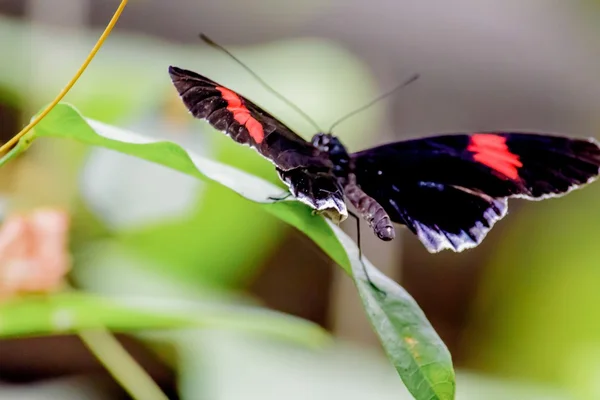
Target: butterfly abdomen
{"points": [[371, 211]]}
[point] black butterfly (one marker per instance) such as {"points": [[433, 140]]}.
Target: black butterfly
{"points": [[449, 190]]}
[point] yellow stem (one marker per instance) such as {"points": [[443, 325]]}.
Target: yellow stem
{"points": [[66, 89]]}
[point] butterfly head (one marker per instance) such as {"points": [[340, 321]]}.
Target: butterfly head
{"points": [[328, 143], [338, 154]]}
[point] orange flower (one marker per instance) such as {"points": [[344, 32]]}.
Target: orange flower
{"points": [[33, 252]]}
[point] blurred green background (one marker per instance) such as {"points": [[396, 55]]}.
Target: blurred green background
{"points": [[519, 313]]}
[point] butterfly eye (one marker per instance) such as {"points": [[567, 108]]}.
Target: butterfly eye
{"points": [[322, 142]]}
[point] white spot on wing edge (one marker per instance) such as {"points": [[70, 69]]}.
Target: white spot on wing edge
{"points": [[327, 204], [435, 241], [331, 203], [557, 195]]}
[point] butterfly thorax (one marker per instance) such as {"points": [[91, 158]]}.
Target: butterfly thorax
{"points": [[338, 154], [368, 207]]}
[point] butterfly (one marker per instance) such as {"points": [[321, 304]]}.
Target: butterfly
{"points": [[449, 190]]}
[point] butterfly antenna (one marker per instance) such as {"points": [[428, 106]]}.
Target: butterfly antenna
{"points": [[217, 46], [364, 267], [375, 100]]}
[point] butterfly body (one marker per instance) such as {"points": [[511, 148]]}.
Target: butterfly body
{"points": [[343, 168], [449, 190]]}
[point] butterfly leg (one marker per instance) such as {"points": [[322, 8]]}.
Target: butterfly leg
{"points": [[280, 198], [358, 241]]}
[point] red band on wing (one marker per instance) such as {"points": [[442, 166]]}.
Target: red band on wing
{"points": [[241, 114], [492, 151]]}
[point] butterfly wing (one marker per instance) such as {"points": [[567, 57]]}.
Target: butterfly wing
{"points": [[301, 166], [320, 190], [451, 189], [245, 122]]}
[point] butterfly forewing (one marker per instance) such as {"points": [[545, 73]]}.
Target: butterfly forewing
{"points": [[301, 166], [552, 165], [245, 122]]}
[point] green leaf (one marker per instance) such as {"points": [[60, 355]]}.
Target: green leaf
{"points": [[411, 343], [72, 311]]}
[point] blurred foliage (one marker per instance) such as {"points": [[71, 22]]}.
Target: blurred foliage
{"points": [[412, 345], [536, 311], [128, 75], [343, 371], [69, 312]]}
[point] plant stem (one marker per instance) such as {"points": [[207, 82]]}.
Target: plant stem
{"points": [[74, 79], [9, 156], [119, 363]]}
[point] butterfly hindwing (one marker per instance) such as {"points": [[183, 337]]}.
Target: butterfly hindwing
{"points": [[318, 190], [444, 216], [450, 189]]}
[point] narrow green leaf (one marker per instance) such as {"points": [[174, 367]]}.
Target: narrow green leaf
{"points": [[419, 355], [64, 121], [68, 312], [412, 345]]}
